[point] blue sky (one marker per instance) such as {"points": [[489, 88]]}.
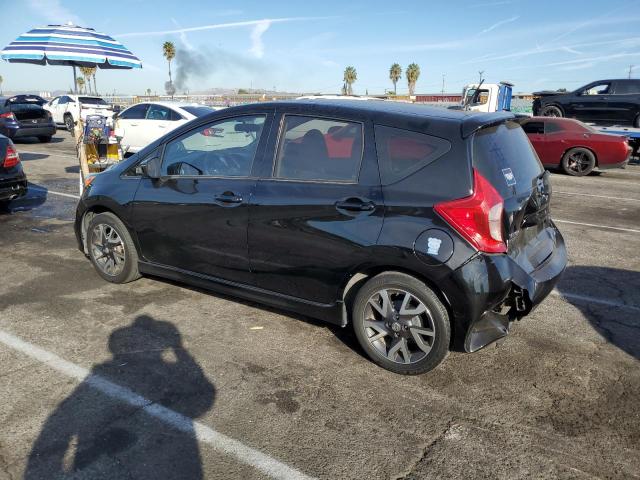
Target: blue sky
{"points": [[305, 45]]}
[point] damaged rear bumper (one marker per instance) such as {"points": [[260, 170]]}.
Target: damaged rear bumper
{"points": [[500, 291]]}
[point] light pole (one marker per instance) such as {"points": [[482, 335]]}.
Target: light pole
{"points": [[443, 84], [480, 73], [630, 70]]}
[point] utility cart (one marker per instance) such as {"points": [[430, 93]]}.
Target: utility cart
{"points": [[97, 147]]}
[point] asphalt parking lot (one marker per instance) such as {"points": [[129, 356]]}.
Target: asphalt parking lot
{"points": [[157, 380]]}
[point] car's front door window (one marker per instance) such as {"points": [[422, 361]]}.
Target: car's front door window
{"points": [[598, 89], [225, 148]]}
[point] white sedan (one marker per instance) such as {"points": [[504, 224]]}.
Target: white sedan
{"points": [[142, 123]]}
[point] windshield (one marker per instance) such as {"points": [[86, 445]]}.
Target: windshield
{"points": [[504, 156], [198, 111], [92, 101]]}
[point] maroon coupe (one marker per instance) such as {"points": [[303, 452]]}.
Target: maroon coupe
{"points": [[574, 146]]}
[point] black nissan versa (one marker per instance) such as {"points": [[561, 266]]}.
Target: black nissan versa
{"points": [[424, 228]]}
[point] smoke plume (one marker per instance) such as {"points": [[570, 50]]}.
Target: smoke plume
{"points": [[196, 65]]}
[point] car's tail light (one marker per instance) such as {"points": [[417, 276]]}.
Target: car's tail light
{"points": [[8, 115], [478, 218], [11, 158]]}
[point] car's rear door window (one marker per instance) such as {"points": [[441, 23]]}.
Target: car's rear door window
{"points": [[404, 152], [320, 149]]}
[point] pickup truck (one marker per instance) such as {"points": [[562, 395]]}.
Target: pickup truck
{"points": [[604, 102], [67, 109]]}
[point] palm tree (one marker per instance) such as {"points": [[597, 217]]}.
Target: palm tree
{"points": [[148, 92], [350, 76], [395, 74], [169, 52], [412, 73], [93, 75], [80, 82], [86, 73]]}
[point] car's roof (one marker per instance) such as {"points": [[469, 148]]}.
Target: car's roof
{"points": [[468, 120], [171, 104]]}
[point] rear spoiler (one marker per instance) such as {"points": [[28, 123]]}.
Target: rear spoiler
{"points": [[475, 121]]}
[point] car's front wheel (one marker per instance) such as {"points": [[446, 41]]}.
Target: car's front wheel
{"points": [[551, 111], [401, 323], [111, 249], [578, 162]]}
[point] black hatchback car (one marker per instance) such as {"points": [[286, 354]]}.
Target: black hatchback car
{"points": [[424, 228]]}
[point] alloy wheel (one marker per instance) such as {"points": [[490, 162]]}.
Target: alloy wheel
{"points": [[578, 162], [399, 326], [107, 249]]}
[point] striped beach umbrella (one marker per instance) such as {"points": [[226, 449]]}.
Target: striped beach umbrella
{"points": [[69, 45]]}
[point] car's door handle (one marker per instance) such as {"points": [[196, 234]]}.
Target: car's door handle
{"points": [[133, 124], [162, 126], [355, 205], [228, 197]]}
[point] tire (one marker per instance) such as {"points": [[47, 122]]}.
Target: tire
{"points": [[113, 256], [551, 111], [394, 334], [70, 124], [578, 162], [46, 139]]}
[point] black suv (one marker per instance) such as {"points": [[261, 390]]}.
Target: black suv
{"points": [[610, 102], [424, 228]]}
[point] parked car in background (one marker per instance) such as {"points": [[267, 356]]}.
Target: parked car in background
{"points": [[23, 116], [613, 102], [414, 224], [13, 181], [67, 109], [142, 123], [575, 147]]}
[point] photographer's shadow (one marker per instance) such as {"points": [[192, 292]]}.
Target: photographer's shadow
{"points": [[103, 431]]}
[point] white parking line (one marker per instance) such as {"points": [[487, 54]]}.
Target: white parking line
{"points": [[250, 456], [598, 226], [69, 195], [588, 299], [597, 196]]}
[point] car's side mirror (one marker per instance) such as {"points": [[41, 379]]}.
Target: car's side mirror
{"points": [[116, 108], [153, 168]]}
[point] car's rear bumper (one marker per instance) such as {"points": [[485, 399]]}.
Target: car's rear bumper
{"points": [[608, 166], [498, 290], [37, 130], [11, 188]]}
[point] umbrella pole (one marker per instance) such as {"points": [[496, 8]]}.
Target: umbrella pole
{"points": [[75, 80]]}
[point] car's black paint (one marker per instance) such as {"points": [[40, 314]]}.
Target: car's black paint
{"points": [[291, 245], [616, 106], [13, 180]]}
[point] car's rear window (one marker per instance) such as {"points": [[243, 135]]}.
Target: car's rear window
{"points": [[503, 155], [92, 101], [404, 152], [198, 111]]}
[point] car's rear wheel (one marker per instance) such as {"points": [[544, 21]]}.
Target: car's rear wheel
{"points": [[45, 139], [578, 161], [70, 124], [401, 324], [551, 111], [111, 249]]}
